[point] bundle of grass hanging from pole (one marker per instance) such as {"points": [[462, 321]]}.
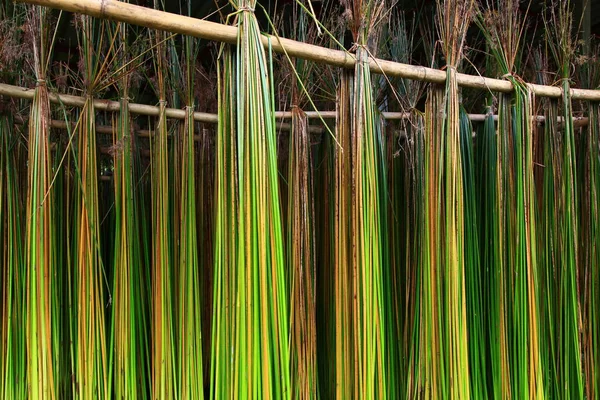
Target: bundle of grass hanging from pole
{"points": [[360, 207], [250, 321], [163, 275], [564, 250], [444, 321], [43, 329], [590, 220], [129, 334], [590, 235], [300, 224], [13, 364], [518, 370], [189, 296], [88, 281]]}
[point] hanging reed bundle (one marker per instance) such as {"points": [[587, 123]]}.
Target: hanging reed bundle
{"points": [[591, 255], [502, 26], [256, 362], [88, 281], [589, 176], [444, 321], [300, 224], [163, 275], [565, 252], [359, 208], [43, 274], [13, 364], [129, 318], [190, 308]]}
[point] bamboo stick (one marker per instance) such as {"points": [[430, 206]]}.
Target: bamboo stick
{"points": [[103, 105], [137, 15], [173, 113], [145, 133]]}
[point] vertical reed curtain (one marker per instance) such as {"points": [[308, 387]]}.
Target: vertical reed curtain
{"points": [[433, 257]]}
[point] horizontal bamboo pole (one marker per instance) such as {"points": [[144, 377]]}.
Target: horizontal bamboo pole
{"points": [[104, 105], [145, 133], [155, 19], [173, 113]]}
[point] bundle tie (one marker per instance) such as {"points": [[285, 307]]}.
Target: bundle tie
{"points": [[246, 8], [506, 76], [363, 57], [162, 102], [40, 82]]}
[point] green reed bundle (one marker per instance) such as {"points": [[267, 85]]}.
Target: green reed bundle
{"points": [[189, 301], [473, 278], [590, 221], [90, 354], [589, 176], [430, 378], [359, 210], [43, 329], [222, 373], [163, 303], [495, 357], [502, 26], [549, 246], [250, 288], [444, 320], [129, 319], [13, 362], [565, 252], [205, 207]]}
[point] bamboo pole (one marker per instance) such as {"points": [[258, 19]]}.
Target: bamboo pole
{"points": [[103, 105], [173, 113], [145, 133], [150, 18]]}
